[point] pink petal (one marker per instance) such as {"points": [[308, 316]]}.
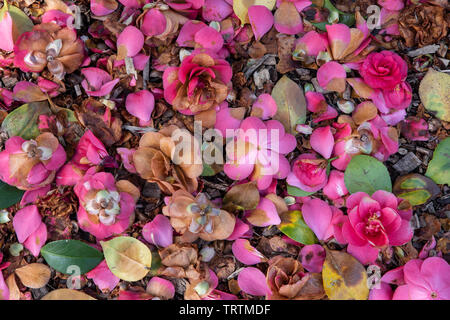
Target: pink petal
{"points": [[335, 187], [159, 231], [365, 254], [186, 37], [401, 293], [103, 7], [246, 253], [383, 293], [4, 290], [311, 44], [331, 76], [26, 221], [287, 19], [95, 77], [57, 160], [154, 23], [28, 92], [6, 32], [69, 175], [265, 104], [261, 20], [131, 40], [225, 120], [241, 229], [429, 245], [253, 281], [322, 141], [436, 273], [140, 104], [36, 240], [127, 158], [160, 287], [103, 278], [265, 211], [209, 38], [37, 174], [312, 257], [216, 10], [140, 60], [354, 199], [339, 37], [31, 196], [402, 235], [317, 215]]}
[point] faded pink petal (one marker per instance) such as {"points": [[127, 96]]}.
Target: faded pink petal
{"points": [[383, 293], [26, 221], [246, 253], [159, 231], [103, 278], [265, 105], [31, 196], [69, 175], [253, 281], [103, 7], [140, 104], [216, 10], [97, 82], [394, 5], [310, 45], [312, 257], [331, 76], [28, 92], [339, 36], [153, 23], [186, 37], [317, 215], [265, 214], [209, 38], [261, 20], [127, 158], [287, 19], [322, 141], [335, 187], [415, 129], [140, 60], [131, 41], [36, 240], [161, 288], [429, 245], [37, 174], [241, 230]]}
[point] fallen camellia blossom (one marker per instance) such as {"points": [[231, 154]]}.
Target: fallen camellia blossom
{"points": [[106, 206], [31, 164], [375, 222]]}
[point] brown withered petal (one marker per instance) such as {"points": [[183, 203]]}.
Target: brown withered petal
{"points": [[223, 226], [423, 24], [179, 255]]}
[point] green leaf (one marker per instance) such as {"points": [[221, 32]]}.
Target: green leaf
{"points": [[23, 121], [297, 192], [439, 166], [293, 225], [62, 254], [345, 18], [291, 104], [9, 195], [415, 188], [367, 174], [434, 93]]}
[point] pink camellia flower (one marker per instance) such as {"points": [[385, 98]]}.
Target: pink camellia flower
{"points": [[399, 97], [258, 151], [375, 222], [415, 129], [199, 84], [417, 280], [309, 173], [30, 229], [31, 164], [106, 206], [49, 46], [383, 70], [97, 82]]}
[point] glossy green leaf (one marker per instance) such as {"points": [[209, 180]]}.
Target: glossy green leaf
{"points": [[293, 225], [345, 18], [23, 121], [367, 174], [415, 188], [291, 104], [439, 166], [62, 255], [9, 195]]}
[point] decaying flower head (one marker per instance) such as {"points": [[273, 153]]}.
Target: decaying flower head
{"points": [[31, 164], [200, 83], [198, 217], [288, 280], [180, 261], [423, 24], [170, 158], [106, 206], [49, 46]]}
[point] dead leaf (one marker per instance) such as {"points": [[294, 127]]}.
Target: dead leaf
{"points": [[14, 292], [34, 275], [434, 93], [67, 294], [241, 197]]}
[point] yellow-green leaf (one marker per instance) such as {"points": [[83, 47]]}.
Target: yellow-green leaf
{"points": [[127, 258], [344, 277], [415, 188], [291, 104], [434, 93], [240, 7], [293, 225], [439, 166]]}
